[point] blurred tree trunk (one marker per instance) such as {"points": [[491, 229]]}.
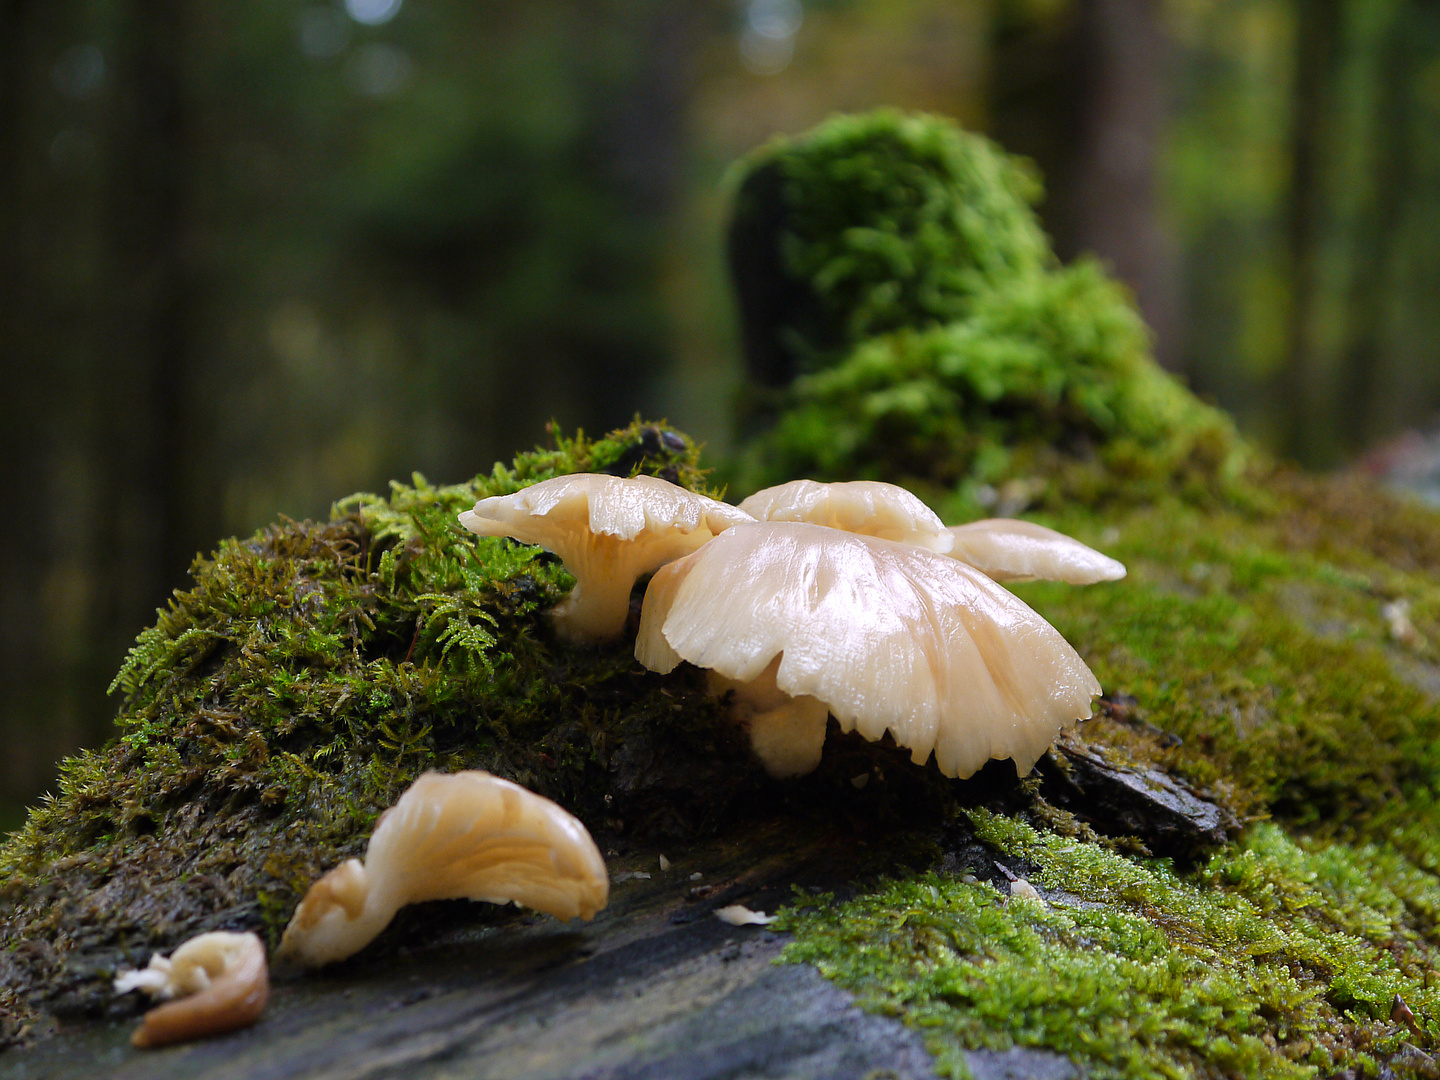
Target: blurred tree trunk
{"points": [[1375, 242], [1125, 91], [139, 448], [24, 667], [1086, 94], [1309, 381]]}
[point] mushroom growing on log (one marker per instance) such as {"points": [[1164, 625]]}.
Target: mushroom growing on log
{"points": [[1006, 549], [608, 531], [801, 621]]}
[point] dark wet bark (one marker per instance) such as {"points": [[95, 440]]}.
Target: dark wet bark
{"points": [[656, 987]]}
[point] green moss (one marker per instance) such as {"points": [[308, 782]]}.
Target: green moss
{"points": [[1260, 641], [884, 221], [904, 305], [1275, 666], [307, 677], [1271, 960], [1049, 378]]}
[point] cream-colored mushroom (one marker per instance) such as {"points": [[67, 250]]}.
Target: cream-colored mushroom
{"points": [[1009, 550], [608, 531], [221, 982], [802, 620], [465, 835], [867, 507]]}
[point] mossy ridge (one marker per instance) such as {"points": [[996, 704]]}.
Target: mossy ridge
{"points": [[309, 675], [1275, 666], [1262, 643], [1274, 959]]}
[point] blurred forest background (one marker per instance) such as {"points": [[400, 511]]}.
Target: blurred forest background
{"points": [[257, 256]]}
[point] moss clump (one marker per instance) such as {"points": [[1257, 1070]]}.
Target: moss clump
{"points": [[871, 223], [1275, 959], [895, 271], [311, 673]]}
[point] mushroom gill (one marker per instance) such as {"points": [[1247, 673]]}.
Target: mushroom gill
{"points": [[867, 507], [465, 835], [608, 531], [885, 636], [220, 982]]}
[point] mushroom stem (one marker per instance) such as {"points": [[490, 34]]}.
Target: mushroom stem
{"points": [[786, 733], [598, 605]]}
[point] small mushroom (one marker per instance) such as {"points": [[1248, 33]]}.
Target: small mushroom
{"points": [[220, 980], [740, 915], [867, 507], [608, 531], [465, 835], [802, 620], [1006, 549]]}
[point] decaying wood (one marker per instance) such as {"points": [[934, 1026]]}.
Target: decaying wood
{"points": [[655, 987]]}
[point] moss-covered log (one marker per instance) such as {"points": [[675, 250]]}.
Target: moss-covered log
{"points": [[1238, 859]]}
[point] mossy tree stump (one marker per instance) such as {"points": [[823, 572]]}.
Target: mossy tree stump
{"points": [[1237, 861]]}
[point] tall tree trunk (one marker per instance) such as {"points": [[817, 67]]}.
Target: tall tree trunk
{"points": [[1086, 94], [1374, 406], [1309, 377], [26, 666], [1126, 96], [139, 448]]}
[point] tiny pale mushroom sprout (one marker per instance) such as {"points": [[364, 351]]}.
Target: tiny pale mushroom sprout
{"points": [[802, 621], [466, 835], [220, 982], [608, 531], [1006, 549], [867, 507]]}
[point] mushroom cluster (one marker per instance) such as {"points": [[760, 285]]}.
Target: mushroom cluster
{"points": [[811, 600]]}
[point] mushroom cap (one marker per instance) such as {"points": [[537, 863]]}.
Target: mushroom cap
{"points": [[608, 531], [867, 507], [221, 982], [476, 836], [889, 636], [465, 835], [1009, 550]]}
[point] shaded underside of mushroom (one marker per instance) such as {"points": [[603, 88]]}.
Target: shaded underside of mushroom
{"points": [[867, 507], [608, 531], [220, 982], [466, 835], [888, 636], [1007, 549]]}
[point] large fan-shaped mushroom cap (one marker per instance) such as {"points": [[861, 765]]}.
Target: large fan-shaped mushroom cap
{"points": [[466, 835], [1009, 550], [888, 636], [867, 507], [608, 531]]}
